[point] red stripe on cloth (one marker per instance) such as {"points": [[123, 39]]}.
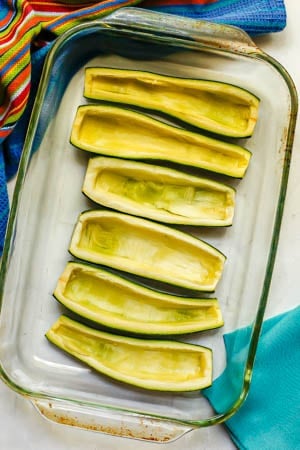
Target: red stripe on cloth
{"points": [[54, 7], [19, 103], [5, 133], [12, 107], [15, 107]]}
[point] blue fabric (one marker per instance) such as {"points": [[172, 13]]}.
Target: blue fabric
{"points": [[254, 16], [11, 148], [269, 419]]}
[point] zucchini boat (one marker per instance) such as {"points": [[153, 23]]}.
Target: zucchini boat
{"points": [[114, 131], [149, 364], [147, 249], [158, 193], [114, 302], [217, 107]]}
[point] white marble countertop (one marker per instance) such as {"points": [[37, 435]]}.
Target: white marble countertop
{"points": [[22, 428]]}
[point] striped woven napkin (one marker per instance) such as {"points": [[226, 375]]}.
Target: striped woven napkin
{"points": [[27, 25]]}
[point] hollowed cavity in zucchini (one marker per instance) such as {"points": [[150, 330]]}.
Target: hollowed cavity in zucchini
{"points": [[113, 131], [115, 302], [158, 193], [218, 107], [149, 364], [146, 249]]}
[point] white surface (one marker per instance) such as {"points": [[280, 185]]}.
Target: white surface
{"points": [[22, 428]]}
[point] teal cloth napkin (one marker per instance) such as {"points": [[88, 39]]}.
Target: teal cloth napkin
{"points": [[269, 419]]}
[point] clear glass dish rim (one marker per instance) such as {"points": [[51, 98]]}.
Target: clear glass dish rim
{"points": [[247, 50]]}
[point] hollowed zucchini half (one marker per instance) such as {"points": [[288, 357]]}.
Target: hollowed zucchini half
{"points": [[218, 107], [113, 131], [158, 193], [147, 249], [149, 364], [115, 302]]}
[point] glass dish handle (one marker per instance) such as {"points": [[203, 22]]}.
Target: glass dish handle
{"points": [[225, 37], [110, 421]]}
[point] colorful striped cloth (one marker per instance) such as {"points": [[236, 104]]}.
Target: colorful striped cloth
{"points": [[25, 25]]}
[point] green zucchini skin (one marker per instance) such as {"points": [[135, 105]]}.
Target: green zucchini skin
{"points": [[118, 132], [158, 193], [147, 249], [161, 365], [214, 106], [112, 301]]}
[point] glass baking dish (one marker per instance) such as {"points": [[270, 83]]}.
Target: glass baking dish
{"points": [[48, 199]]}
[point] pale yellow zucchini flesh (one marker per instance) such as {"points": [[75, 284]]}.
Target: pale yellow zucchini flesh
{"points": [[150, 364], [115, 302], [146, 249], [114, 131], [218, 107], [158, 193]]}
